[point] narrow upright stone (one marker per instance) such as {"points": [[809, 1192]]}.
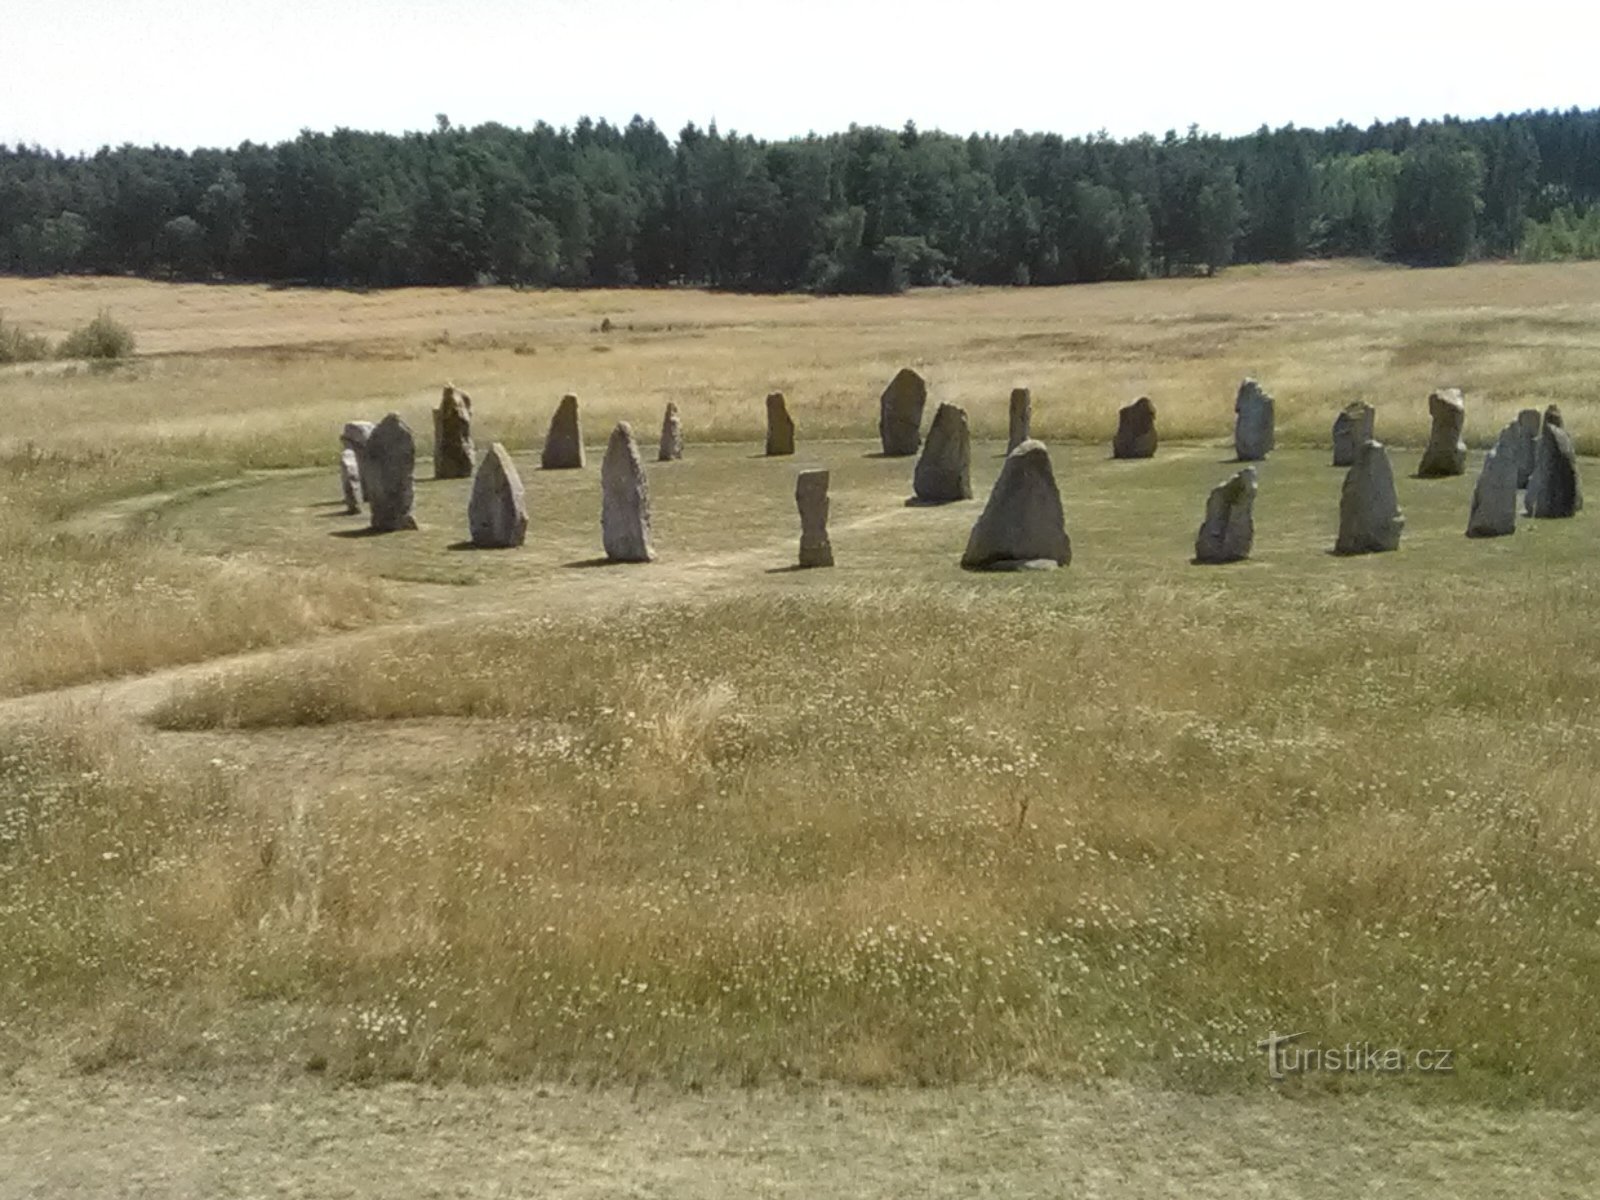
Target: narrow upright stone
{"points": [[1253, 423], [671, 435], [780, 426], [624, 500], [391, 463], [452, 435], [1494, 497], [1022, 524], [944, 472], [354, 437], [811, 498], [900, 414], [1351, 428], [497, 512], [1527, 444], [1553, 489], [1370, 520], [1446, 453], [1021, 424], [1229, 529], [1136, 430], [350, 480], [563, 445]]}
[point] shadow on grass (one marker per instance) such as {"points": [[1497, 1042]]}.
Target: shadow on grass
{"points": [[602, 561], [919, 502], [791, 569], [471, 545], [367, 531]]}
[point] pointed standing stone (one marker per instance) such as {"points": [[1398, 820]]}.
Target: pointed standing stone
{"points": [[452, 435], [350, 480], [624, 500], [811, 498], [1351, 428], [1553, 489], [780, 426], [1021, 423], [1136, 430], [354, 437], [944, 472], [497, 512], [563, 445], [900, 414], [391, 463], [1229, 529], [1253, 423], [671, 435], [1527, 444], [1494, 497], [1446, 453], [1370, 520], [1022, 524]]}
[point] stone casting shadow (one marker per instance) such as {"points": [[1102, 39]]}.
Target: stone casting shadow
{"points": [[587, 563], [790, 569], [919, 502], [471, 545], [364, 531]]}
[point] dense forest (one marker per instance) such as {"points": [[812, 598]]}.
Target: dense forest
{"points": [[868, 210]]}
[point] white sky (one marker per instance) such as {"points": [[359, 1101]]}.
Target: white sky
{"points": [[78, 74]]}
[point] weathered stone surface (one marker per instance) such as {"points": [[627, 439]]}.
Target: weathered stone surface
{"points": [[1553, 488], [780, 426], [1494, 496], [1351, 428], [1136, 430], [1021, 424], [1527, 444], [1229, 529], [1022, 523], [811, 498], [1446, 453], [671, 435], [354, 437], [944, 472], [1369, 510], [1253, 423], [563, 445], [497, 512], [350, 479], [624, 500], [900, 414], [391, 459], [452, 435]]}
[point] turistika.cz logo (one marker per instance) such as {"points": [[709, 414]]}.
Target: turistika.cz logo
{"points": [[1286, 1057]]}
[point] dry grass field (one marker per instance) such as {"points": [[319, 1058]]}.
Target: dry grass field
{"points": [[282, 801]]}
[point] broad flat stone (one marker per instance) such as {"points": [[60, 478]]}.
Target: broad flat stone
{"points": [[1554, 489], [624, 500], [563, 445], [1136, 430], [1229, 530], [1022, 521], [1370, 520], [354, 436], [1253, 423], [497, 512], [1494, 496], [1446, 453], [1528, 425], [391, 465], [780, 426], [452, 435], [1352, 427], [944, 471], [900, 414]]}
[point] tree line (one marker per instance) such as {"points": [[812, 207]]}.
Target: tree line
{"points": [[866, 210]]}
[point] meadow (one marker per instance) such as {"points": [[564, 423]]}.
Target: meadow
{"points": [[378, 808]]}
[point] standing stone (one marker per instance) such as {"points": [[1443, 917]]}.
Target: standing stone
{"points": [[563, 445], [350, 480], [900, 414], [391, 461], [452, 435], [1446, 453], [1553, 489], [624, 500], [1229, 529], [1022, 524], [1494, 497], [1021, 418], [780, 426], [1136, 430], [944, 472], [1253, 422], [811, 498], [1527, 444], [1369, 510], [354, 437], [497, 512], [671, 435], [1351, 428]]}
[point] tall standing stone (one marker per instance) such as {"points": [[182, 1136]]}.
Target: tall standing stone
{"points": [[1446, 453], [944, 472], [1370, 520], [1229, 528], [1494, 497], [1351, 428], [563, 445], [354, 437], [1253, 423], [391, 463], [452, 435], [1020, 427], [497, 512], [780, 426], [811, 498], [1553, 489], [900, 414], [1527, 444], [350, 480], [671, 435], [1136, 430], [624, 500], [1022, 524]]}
